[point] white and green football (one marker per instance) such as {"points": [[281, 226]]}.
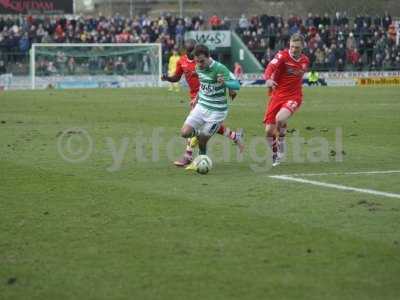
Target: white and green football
{"points": [[203, 164]]}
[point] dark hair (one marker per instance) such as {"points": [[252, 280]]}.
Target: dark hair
{"points": [[201, 49], [189, 46]]}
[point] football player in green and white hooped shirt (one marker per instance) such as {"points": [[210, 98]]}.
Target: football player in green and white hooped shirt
{"points": [[212, 106]]}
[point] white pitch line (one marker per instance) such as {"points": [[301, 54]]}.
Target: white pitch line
{"points": [[344, 173], [336, 186]]}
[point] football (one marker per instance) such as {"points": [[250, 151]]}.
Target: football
{"points": [[204, 164]]}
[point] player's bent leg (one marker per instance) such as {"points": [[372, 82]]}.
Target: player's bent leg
{"points": [[239, 139], [271, 134], [210, 128], [187, 131], [274, 106], [234, 136], [204, 136], [187, 157], [203, 140], [281, 120], [191, 143], [282, 117], [190, 130], [193, 122], [281, 123], [211, 124], [282, 142]]}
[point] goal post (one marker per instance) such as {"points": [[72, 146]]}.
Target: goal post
{"points": [[85, 65]]}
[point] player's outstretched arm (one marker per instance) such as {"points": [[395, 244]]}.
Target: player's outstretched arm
{"points": [[228, 80], [233, 85], [274, 66], [174, 78]]}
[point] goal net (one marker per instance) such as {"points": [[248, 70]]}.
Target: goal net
{"points": [[95, 65]]}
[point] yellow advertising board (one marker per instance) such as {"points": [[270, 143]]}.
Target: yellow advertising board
{"points": [[369, 81]]}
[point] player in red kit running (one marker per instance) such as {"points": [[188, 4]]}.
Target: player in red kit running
{"points": [[187, 66], [284, 77]]}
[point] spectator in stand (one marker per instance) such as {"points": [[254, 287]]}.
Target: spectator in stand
{"points": [[61, 62], [41, 68], [320, 57], [340, 65], [317, 21], [268, 56], [3, 69], [397, 63], [226, 23], [108, 67], [243, 23], [71, 66], [309, 21], [353, 57], [326, 21], [215, 22], [120, 66], [93, 66], [24, 43], [179, 33], [332, 59], [360, 64], [272, 32], [387, 63], [392, 34], [341, 52], [51, 68], [351, 42], [387, 21], [146, 64]]}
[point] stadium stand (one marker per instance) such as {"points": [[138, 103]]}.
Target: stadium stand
{"points": [[335, 43]]}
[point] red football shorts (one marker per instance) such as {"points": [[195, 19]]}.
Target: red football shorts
{"points": [[275, 105]]}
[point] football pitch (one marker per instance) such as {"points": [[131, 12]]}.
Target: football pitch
{"points": [[91, 206]]}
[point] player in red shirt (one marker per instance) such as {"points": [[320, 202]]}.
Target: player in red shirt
{"points": [[284, 78], [186, 65]]}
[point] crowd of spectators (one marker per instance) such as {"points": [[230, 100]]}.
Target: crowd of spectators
{"points": [[92, 64], [333, 43], [17, 34]]}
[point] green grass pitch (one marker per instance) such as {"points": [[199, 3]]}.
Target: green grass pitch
{"points": [[117, 220]]}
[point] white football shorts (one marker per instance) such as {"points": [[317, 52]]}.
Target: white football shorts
{"points": [[206, 121]]}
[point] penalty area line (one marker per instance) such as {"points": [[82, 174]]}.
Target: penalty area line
{"points": [[336, 186]]}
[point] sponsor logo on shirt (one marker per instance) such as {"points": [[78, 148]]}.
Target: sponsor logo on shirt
{"points": [[294, 70]]}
